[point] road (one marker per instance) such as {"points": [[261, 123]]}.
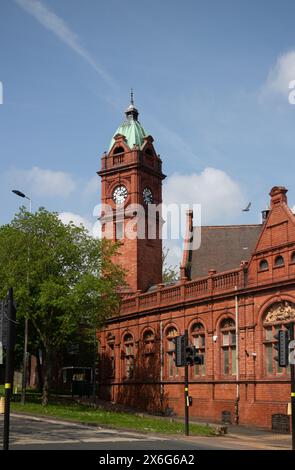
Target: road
{"points": [[30, 433]]}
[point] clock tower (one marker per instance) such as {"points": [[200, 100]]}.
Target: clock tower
{"points": [[131, 190]]}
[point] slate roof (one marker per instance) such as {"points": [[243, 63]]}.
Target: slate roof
{"points": [[223, 248]]}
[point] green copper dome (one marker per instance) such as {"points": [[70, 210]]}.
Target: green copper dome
{"points": [[131, 128]]}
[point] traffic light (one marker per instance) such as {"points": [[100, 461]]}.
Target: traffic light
{"points": [[179, 357], [198, 358], [3, 322], [282, 346], [189, 355], [186, 354]]}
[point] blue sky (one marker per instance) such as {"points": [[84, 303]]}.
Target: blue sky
{"points": [[210, 81]]}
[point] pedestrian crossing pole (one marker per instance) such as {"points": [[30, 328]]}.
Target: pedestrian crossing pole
{"points": [[292, 367], [186, 394], [11, 318]]}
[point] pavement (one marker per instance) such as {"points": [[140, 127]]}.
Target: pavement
{"points": [[36, 433]]}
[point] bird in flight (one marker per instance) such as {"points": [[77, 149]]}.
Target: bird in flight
{"points": [[247, 208]]}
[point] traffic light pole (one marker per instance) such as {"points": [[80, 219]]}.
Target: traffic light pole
{"points": [[186, 395], [9, 367], [292, 369]]}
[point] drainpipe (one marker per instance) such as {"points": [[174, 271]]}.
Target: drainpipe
{"points": [[237, 359]]}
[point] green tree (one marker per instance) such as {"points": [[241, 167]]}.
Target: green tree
{"points": [[63, 278], [170, 273]]}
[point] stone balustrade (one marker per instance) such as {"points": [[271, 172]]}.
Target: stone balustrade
{"points": [[182, 291]]}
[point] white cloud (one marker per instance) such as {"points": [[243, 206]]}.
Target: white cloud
{"points": [[219, 195], [280, 75], [67, 217], [45, 183], [59, 27], [92, 187], [94, 229]]}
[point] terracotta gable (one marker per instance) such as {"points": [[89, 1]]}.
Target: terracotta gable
{"points": [[279, 227], [272, 258]]}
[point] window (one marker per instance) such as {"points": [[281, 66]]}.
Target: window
{"points": [[110, 355], [293, 257], [263, 265], [279, 261], [172, 370], [118, 150], [148, 342], [128, 355], [148, 352], [199, 341], [271, 366], [228, 346]]}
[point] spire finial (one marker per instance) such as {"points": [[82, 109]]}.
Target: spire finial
{"points": [[131, 97], [131, 112]]}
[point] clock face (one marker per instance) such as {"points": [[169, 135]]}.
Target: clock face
{"points": [[147, 195], [120, 193]]}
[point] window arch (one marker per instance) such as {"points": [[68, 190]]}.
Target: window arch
{"points": [[277, 317], [148, 342], [279, 261], [199, 341], [148, 349], [118, 150], [263, 265], [228, 346], [128, 355], [172, 370], [111, 354]]}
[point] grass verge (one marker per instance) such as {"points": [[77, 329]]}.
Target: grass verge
{"points": [[86, 414]]}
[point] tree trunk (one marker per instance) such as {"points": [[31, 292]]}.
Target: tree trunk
{"points": [[39, 371], [47, 376]]}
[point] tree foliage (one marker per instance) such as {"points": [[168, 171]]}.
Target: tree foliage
{"points": [[62, 277], [170, 273]]}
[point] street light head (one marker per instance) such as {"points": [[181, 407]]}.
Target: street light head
{"points": [[18, 193]]}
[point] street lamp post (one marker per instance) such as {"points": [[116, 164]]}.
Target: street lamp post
{"points": [[25, 355]]}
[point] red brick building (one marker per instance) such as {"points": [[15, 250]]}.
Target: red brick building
{"points": [[235, 291]]}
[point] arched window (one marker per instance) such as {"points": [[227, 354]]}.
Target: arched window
{"points": [[277, 317], [148, 342], [118, 150], [128, 356], [148, 353], [263, 265], [279, 261], [111, 355], [228, 346], [292, 260], [199, 341], [172, 370]]}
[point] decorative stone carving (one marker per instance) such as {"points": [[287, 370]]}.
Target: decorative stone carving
{"points": [[280, 312]]}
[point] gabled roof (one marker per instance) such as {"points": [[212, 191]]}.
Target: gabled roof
{"points": [[223, 248]]}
